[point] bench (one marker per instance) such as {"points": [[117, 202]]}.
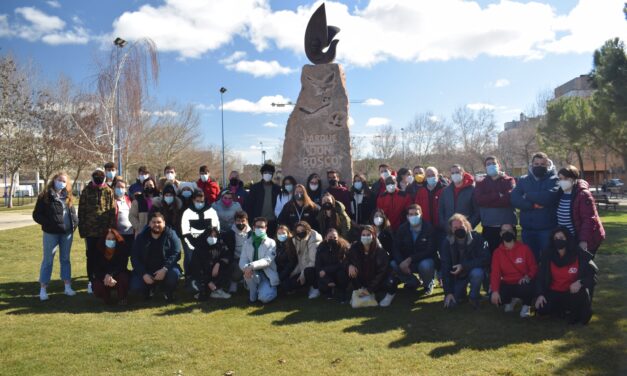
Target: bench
{"points": [[602, 199]]}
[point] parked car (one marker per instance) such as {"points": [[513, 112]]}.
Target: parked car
{"points": [[615, 183]]}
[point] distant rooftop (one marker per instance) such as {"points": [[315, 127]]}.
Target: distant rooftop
{"points": [[577, 87]]}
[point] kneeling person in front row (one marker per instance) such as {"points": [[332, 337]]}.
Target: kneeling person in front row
{"points": [[257, 263], [210, 266], [513, 272], [156, 251]]}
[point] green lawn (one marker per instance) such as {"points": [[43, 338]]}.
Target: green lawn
{"points": [[416, 336]]}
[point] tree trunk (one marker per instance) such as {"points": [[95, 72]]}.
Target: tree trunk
{"points": [[580, 158], [11, 189]]}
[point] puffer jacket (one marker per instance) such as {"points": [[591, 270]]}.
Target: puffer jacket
{"points": [[429, 202], [306, 252], [537, 200], [493, 198], [394, 206], [48, 213], [96, 211], [344, 224], [585, 217], [462, 202]]}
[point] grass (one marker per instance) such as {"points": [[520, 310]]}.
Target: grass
{"points": [[19, 203], [415, 336]]}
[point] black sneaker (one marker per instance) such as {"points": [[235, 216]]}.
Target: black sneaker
{"points": [[168, 296]]}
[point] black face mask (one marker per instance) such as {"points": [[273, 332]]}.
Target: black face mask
{"points": [[332, 182], [332, 242], [98, 179], [508, 237], [539, 171], [234, 182], [301, 234], [299, 196], [149, 191], [240, 226], [327, 206], [560, 243], [460, 233]]}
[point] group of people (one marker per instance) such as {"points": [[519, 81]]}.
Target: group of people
{"points": [[354, 243]]}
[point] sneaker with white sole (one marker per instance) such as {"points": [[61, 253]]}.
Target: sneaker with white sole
{"points": [[43, 295], [516, 301], [220, 294], [68, 291], [89, 290], [509, 308], [313, 293], [387, 300], [233, 288], [525, 311]]}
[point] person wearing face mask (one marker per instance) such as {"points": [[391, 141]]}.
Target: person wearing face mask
{"points": [[170, 205], [137, 187], [236, 186], [226, 207], [208, 186], [262, 197], [384, 232], [56, 213], [394, 202], [368, 267], [110, 265], [96, 214], [405, 182], [419, 178], [306, 241], [235, 237], [142, 205], [414, 251], [210, 266], [186, 190], [257, 264], [338, 189], [536, 196], [287, 192], [565, 280], [314, 188], [378, 187], [362, 201], [196, 221], [286, 259], [577, 210], [169, 177], [123, 223], [458, 197], [513, 272], [110, 173], [154, 257], [464, 255], [333, 215], [331, 259], [300, 208]]}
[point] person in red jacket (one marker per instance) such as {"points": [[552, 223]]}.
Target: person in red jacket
{"points": [[428, 196], [339, 191], [378, 188], [577, 211], [393, 202], [208, 186], [513, 271]]}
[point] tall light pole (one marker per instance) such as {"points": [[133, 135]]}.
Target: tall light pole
{"points": [[222, 91], [119, 42], [263, 153]]}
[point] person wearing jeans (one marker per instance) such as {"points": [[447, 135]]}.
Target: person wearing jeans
{"points": [[464, 257], [56, 214], [257, 263], [414, 251]]}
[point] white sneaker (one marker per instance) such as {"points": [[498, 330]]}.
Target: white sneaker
{"points": [[233, 288], [43, 295], [525, 311], [313, 293], [68, 291], [220, 294], [516, 301], [386, 301], [509, 308], [89, 290]]}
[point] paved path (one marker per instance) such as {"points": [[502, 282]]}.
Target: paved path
{"points": [[16, 219]]}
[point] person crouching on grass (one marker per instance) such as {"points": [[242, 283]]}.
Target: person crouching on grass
{"points": [[513, 272], [210, 266], [110, 271], [155, 254], [257, 263]]}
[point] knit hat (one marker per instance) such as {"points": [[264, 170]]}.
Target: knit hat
{"points": [[186, 184]]}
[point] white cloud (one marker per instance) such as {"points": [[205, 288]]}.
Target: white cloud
{"points": [[53, 4], [501, 82], [260, 68], [377, 121], [372, 102], [350, 121], [76, 36], [480, 106], [33, 25], [434, 118], [204, 107], [235, 56], [270, 124], [263, 105], [165, 113]]}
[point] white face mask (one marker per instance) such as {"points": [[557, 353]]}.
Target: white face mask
{"points": [[566, 184], [212, 240], [313, 187], [385, 174], [409, 179], [378, 221], [204, 177], [141, 178], [267, 177], [456, 178], [170, 176], [390, 188]]}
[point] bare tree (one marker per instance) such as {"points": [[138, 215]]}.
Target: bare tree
{"points": [[476, 132], [385, 142], [421, 135]]}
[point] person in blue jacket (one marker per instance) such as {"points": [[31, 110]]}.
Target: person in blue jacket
{"points": [[536, 195]]}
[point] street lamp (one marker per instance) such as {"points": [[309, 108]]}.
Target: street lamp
{"points": [[222, 91], [120, 43], [263, 153]]}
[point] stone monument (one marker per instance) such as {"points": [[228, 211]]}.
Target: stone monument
{"points": [[317, 137]]}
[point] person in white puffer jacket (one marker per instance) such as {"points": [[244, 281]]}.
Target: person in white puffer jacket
{"points": [[306, 241]]}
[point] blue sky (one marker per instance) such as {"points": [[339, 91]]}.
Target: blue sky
{"points": [[404, 56]]}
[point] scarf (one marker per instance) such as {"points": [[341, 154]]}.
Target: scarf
{"points": [[257, 240]]}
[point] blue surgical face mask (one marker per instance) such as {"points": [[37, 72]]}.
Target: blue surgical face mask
{"points": [[358, 185], [59, 185], [110, 243], [260, 231], [282, 237], [414, 220], [492, 170], [199, 205], [289, 187], [366, 240], [120, 192], [186, 194], [212, 240], [168, 199], [432, 180], [110, 174]]}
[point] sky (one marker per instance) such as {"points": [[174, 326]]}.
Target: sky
{"points": [[401, 57]]}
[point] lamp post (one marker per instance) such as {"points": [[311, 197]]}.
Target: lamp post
{"points": [[222, 91], [263, 153], [120, 43]]}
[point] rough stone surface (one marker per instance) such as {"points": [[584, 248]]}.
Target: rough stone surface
{"points": [[317, 137]]}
